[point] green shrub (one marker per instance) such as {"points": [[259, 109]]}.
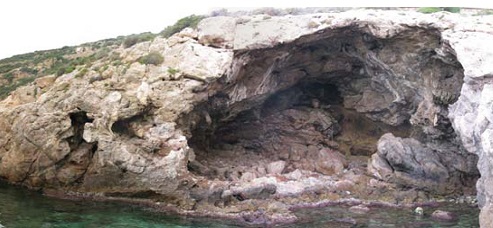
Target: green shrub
{"points": [[172, 71], [60, 71], [8, 67], [5, 90], [9, 76], [24, 81], [452, 9], [103, 69], [131, 40], [117, 63], [429, 9], [81, 73], [29, 70], [102, 53], [65, 70], [191, 21], [115, 56], [153, 58], [438, 9]]}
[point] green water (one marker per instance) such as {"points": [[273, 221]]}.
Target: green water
{"points": [[386, 217], [22, 208]]}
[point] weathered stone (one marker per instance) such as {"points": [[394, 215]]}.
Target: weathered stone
{"points": [[330, 162], [276, 167], [359, 209], [410, 163], [254, 191], [248, 176], [45, 82], [217, 31], [443, 215]]}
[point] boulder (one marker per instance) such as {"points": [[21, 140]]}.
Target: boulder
{"points": [[408, 162], [276, 167], [330, 162], [443, 215]]}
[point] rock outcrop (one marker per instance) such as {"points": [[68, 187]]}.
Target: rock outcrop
{"points": [[247, 111], [472, 114]]}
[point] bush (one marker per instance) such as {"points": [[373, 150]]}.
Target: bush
{"points": [[5, 90], [131, 40], [60, 71], [102, 53], [81, 73], [65, 70], [9, 77], [452, 9], [191, 21], [429, 10], [8, 67], [172, 71], [29, 70], [153, 58], [438, 9]]}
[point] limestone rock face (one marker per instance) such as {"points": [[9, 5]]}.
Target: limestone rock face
{"points": [[201, 130], [472, 114], [472, 118], [217, 31], [115, 134]]}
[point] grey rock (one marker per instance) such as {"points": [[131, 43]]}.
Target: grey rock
{"points": [[408, 162], [443, 215]]}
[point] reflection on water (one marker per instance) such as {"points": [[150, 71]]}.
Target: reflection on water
{"points": [[21, 208], [386, 217]]}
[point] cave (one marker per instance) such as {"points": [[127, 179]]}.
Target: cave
{"points": [[321, 104], [78, 120], [292, 125]]}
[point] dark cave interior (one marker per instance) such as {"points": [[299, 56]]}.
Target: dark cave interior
{"points": [[291, 125]]}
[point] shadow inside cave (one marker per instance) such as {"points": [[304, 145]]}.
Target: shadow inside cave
{"points": [[297, 125]]}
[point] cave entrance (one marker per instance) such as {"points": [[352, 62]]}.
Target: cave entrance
{"points": [[304, 127]]}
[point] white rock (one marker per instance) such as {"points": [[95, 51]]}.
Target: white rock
{"points": [[276, 167], [217, 31]]}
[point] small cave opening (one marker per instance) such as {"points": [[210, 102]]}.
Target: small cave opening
{"points": [[128, 127], [122, 127], [304, 127], [78, 120]]}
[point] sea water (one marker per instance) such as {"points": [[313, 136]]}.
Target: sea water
{"points": [[23, 208]]}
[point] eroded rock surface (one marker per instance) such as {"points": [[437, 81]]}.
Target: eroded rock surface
{"points": [[263, 109]]}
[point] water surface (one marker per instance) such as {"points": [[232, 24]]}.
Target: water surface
{"points": [[22, 208]]}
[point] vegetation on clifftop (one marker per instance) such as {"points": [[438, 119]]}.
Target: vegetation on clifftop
{"points": [[22, 69], [191, 21], [438, 9]]}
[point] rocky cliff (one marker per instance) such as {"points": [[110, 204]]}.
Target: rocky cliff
{"points": [[247, 116]]}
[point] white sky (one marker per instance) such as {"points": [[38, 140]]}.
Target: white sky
{"points": [[30, 25]]}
